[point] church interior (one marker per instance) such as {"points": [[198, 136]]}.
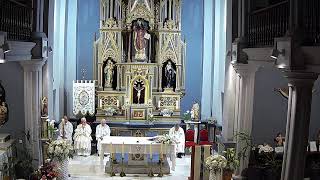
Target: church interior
{"points": [[159, 89]]}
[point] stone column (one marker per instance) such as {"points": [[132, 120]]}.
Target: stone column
{"points": [[298, 120], [32, 109], [244, 106], [178, 76]]}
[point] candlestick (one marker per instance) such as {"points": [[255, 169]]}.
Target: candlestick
{"points": [[111, 147], [160, 150], [150, 151]]}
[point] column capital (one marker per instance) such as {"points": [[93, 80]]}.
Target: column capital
{"points": [[300, 78], [245, 70], [32, 65]]}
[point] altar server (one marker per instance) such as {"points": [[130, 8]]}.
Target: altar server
{"points": [[82, 138], [177, 134], [102, 132], [65, 129]]}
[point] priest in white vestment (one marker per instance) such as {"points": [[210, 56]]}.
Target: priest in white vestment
{"points": [[65, 129], [82, 138], [102, 132], [177, 134]]}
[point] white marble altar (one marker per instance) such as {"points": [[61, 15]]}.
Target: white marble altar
{"points": [[136, 145]]}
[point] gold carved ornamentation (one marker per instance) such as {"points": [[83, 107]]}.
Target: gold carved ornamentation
{"points": [[140, 11]]}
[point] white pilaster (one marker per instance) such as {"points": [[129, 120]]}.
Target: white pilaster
{"points": [[244, 105], [32, 109]]}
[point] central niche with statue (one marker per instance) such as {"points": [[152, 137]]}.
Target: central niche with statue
{"points": [[139, 61]]}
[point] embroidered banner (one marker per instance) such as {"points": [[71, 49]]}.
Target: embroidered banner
{"points": [[83, 97]]}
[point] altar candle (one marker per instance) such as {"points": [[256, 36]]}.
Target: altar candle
{"points": [[118, 103], [122, 149], [111, 147], [177, 104], [150, 151], [100, 103], [159, 103]]}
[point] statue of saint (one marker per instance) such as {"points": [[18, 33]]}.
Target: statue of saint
{"points": [[195, 111], [170, 74], [139, 90], [141, 37], [108, 74]]}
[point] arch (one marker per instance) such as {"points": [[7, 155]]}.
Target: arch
{"points": [[147, 89]]}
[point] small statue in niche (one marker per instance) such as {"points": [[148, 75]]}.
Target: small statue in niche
{"points": [[279, 140], [170, 74], [141, 38], [44, 107], [108, 74], [3, 106]]}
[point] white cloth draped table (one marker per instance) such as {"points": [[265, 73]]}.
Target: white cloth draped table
{"points": [[136, 145]]}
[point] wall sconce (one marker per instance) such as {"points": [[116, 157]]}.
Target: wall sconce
{"points": [[231, 53], [275, 53], [5, 47]]}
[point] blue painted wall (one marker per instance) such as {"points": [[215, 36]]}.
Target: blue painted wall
{"points": [[192, 29], [88, 24]]}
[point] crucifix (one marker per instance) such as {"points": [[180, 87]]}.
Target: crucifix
{"points": [[83, 72], [138, 88]]}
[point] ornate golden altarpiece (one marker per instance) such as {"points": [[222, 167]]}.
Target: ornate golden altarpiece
{"points": [[139, 61]]}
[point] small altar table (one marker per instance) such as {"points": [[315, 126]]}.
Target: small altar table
{"points": [[136, 145]]}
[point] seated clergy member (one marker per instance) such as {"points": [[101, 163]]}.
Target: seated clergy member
{"points": [[178, 135], [82, 138], [102, 131], [65, 129]]}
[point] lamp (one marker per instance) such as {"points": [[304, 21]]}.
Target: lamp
{"points": [[275, 53], [2, 61], [5, 47]]}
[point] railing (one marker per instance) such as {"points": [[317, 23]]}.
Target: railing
{"points": [[311, 22], [16, 20], [267, 23]]}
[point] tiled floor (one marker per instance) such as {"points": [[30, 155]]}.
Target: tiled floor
{"points": [[89, 168]]}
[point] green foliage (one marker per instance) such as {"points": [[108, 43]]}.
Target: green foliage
{"points": [[232, 160], [246, 140]]}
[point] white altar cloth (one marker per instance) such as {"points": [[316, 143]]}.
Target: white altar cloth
{"points": [[136, 145]]}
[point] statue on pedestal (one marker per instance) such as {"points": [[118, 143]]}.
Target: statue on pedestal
{"points": [[195, 111], [170, 75], [141, 37], [108, 74]]}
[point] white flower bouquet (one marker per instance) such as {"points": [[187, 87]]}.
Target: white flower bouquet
{"points": [[165, 139], [166, 112], [216, 163], [60, 150], [110, 111], [265, 148]]}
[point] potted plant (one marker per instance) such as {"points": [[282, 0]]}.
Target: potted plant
{"points": [[232, 163], [215, 164], [59, 152], [48, 171]]}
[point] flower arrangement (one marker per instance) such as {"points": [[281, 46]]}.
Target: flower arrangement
{"points": [[186, 116], [60, 150], [51, 128], [265, 148], [212, 120], [232, 160], [166, 112], [151, 118], [110, 111], [48, 171], [216, 163], [165, 139]]}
